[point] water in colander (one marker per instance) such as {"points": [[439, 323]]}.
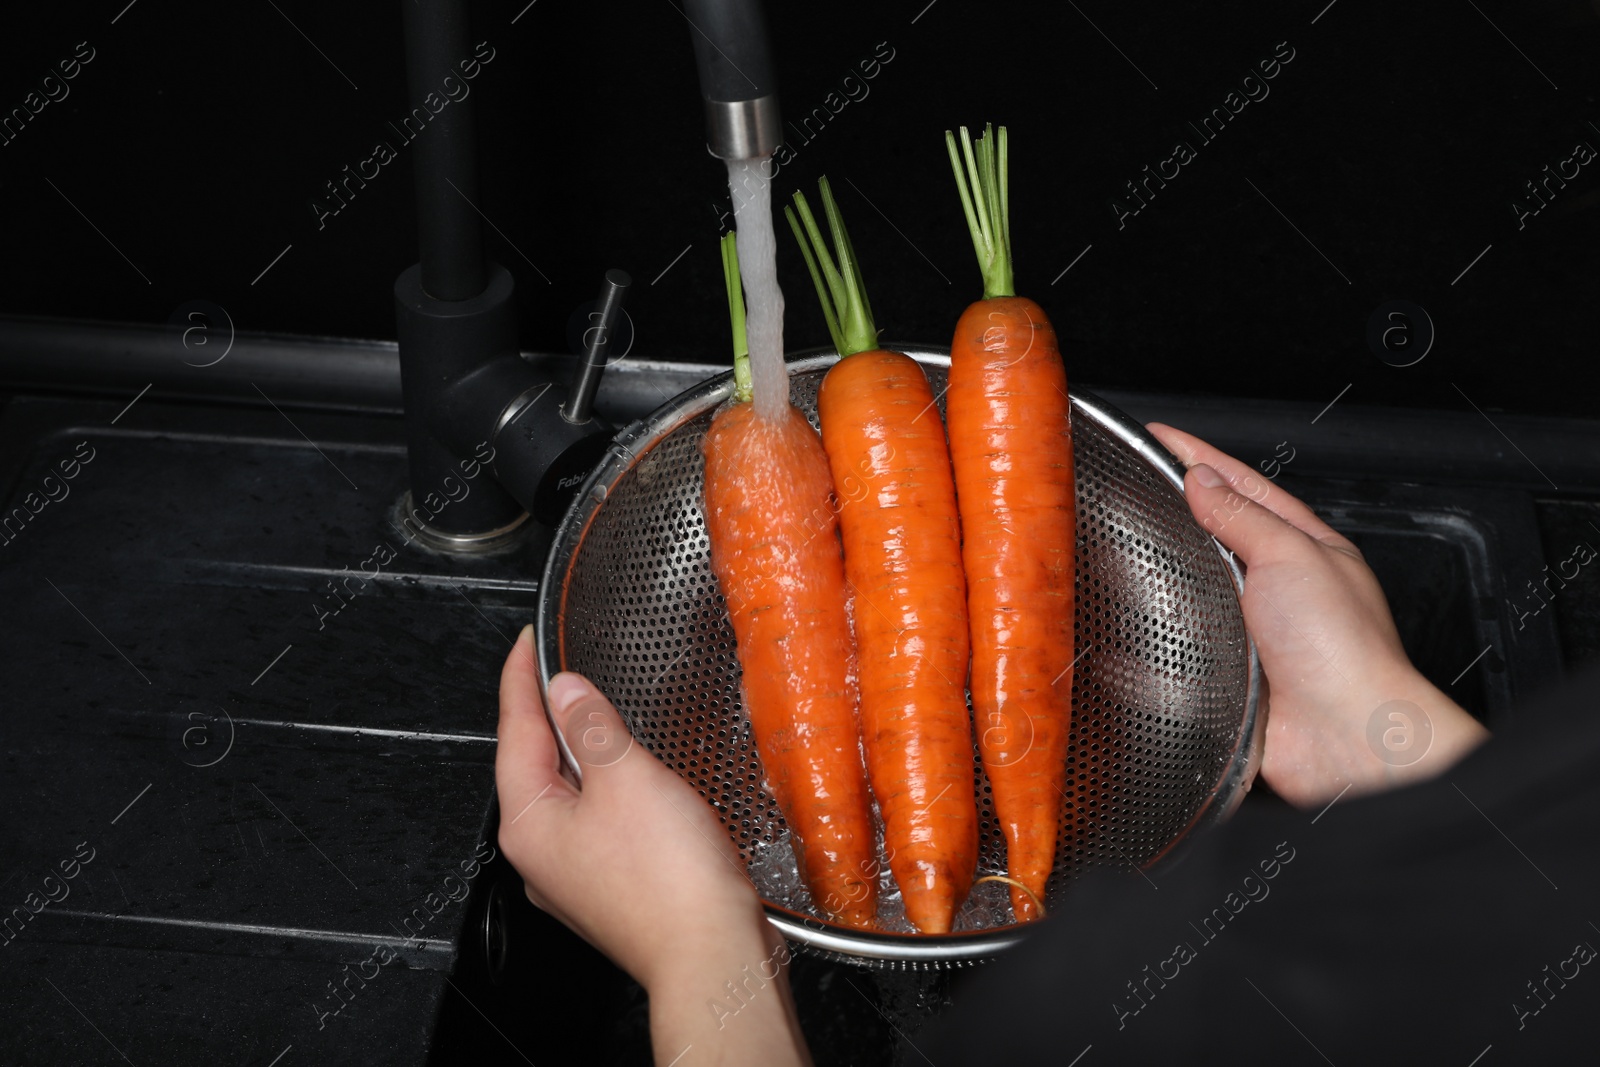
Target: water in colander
{"points": [[774, 869]]}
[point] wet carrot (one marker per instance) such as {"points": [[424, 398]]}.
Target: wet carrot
{"points": [[902, 554], [1011, 445], [775, 551]]}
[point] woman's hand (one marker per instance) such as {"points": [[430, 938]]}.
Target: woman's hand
{"points": [[637, 864], [1346, 707]]}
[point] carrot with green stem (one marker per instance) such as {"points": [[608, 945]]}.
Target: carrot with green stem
{"points": [[902, 554], [1010, 425], [766, 485]]}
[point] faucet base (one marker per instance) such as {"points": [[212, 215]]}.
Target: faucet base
{"points": [[442, 342], [450, 542]]}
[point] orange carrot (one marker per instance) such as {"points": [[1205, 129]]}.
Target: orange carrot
{"points": [[902, 554], [775, 551], [1011, 445]]}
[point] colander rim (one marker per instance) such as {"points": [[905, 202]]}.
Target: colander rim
{"points": [[630, 445]]}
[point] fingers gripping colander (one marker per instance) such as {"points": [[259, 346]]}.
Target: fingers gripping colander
{"points": [[1165, 727]]}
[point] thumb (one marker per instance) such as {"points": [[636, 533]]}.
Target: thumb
{"points": [[1250, 530], [594, 732]]}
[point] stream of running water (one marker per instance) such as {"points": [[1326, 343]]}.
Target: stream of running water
{"points": [[758, 269]]}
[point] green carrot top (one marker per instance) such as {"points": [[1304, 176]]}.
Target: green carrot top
{"points": [[742, 389], [840, 288], [984, 197]]}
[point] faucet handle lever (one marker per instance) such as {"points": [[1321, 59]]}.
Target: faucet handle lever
{"points": [[597, 346]]}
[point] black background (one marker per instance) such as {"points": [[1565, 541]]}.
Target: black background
{"points": [[1395, 141]]}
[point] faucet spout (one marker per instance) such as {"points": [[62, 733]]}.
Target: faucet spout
{"points": [[737, 80]]}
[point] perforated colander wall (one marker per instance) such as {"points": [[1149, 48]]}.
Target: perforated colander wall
{"points": [[1159, 690]]}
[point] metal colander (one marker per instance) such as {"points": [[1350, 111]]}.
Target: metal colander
{"points": [[1165, 728]]}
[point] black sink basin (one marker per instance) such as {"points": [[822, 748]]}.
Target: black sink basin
{"points": [[1444, 559]]}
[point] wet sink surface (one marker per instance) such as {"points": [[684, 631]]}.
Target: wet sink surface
{"points": [[268, 715]]}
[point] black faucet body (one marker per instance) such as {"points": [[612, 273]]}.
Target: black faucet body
{"points": [[470, 398]]}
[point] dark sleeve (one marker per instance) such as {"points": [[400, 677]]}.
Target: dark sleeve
{"points": [[1432, 924]]}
